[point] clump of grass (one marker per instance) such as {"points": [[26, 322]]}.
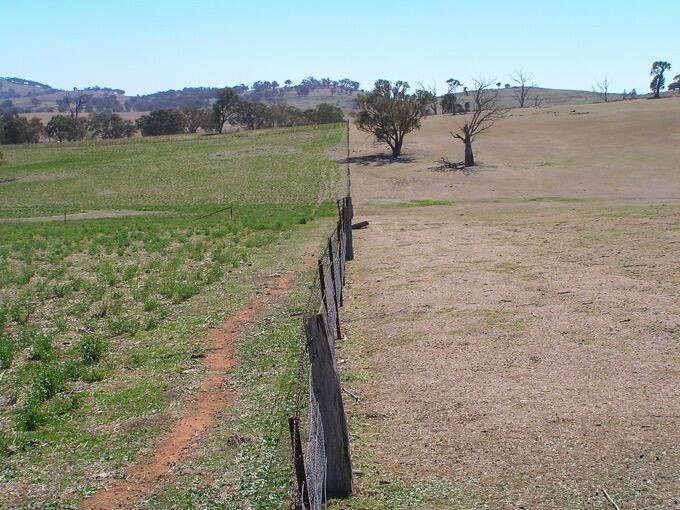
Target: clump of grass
{"points": [[21, 311], [31, 417], [93, 375], [42, 349], [91, 349], [49, 380], [6, 352], [122, 326]]}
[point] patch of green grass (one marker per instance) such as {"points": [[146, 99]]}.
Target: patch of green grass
{"points": [[565, 200], [424, 203]]}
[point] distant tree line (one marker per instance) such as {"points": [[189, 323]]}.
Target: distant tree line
{"points": [[229, 109], [15, 129], [109, 90], [345, 86], [260, 91], [188, 97]]}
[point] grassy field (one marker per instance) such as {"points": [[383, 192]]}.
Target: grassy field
{"points": [[100, 318]]}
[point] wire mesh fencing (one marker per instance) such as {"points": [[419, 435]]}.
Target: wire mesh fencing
{"points": [[319, 437]]}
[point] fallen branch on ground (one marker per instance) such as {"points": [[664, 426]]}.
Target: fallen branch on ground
{"points": [[610, 499], [353, 395], [446, 165]]}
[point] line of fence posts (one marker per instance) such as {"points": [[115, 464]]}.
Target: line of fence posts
{"points": [[321, 332]]}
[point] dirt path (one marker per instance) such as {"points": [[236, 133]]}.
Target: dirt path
{"points": [[521, 343], [212, 398]]}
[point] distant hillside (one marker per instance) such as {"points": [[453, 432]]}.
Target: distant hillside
{"points": [[19, 87], [32, 97], [548, 97]]}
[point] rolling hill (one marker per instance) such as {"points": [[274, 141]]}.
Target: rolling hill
{"points": [[31, 97]]}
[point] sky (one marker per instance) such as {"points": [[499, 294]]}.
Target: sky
{"points": [[145, 46]]}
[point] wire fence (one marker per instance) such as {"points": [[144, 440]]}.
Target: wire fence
{"points": [[319, 438]]}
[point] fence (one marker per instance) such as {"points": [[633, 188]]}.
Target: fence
{"points": [[320, 441]]}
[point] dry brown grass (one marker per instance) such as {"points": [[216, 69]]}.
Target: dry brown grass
{"points": [[522, 342]]}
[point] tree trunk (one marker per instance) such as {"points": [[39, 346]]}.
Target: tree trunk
{"points": [[396, 148], [469, 156]]}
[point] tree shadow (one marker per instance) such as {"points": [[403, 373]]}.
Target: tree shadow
{"points": [[377, 160]]}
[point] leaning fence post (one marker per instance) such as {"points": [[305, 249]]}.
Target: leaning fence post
{"points": [[336, 287], [341, 276], [322, 286], [348, 213], [326, 387], [298, 460]]}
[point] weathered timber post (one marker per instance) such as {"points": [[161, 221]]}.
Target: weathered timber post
{"points": [[348, 214], [326, 387], [336, 289], [322, 286], [298, 460], [341, 262], [349, 175]]}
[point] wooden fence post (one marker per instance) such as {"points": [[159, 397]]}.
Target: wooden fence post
{"points": [[336, 288], [348, 214], [341, 263], [322, 286], [326, 387], [298, 460]]}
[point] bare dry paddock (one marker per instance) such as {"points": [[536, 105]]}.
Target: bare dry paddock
{"points": [[523, 348]]}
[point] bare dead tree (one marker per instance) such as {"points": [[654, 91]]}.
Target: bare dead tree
{"points": [[487, 111], [75, 102], [524, 85], [431, 90], [538, 101], [602, 89]]}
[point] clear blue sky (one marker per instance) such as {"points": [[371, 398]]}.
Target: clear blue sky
{"points": [[145, 46]]}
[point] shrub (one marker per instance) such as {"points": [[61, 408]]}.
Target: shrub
{"points": [[161, 122]]}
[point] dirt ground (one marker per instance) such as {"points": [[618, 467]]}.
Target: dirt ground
{"points": [[521, 338]]}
